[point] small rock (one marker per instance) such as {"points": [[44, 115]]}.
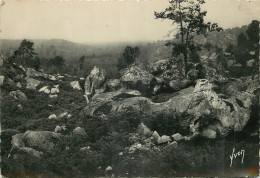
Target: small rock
{"points": [[20, 107], [250, 63], [55, 90], [47, 91], [155, 135], [85, 148], [120, 154], [174, 143], [52, 116], [164, 139], [52, 77], [43, 89], [53, 96], [87, 100], [63, 115], [144, 130], [75, 85], [109, 168], [177, 137], [18, 95], [60, 128], [79, 131], [19, 85], [135, 147], [81, 78], [60, 76], [2, 79], [32, 83]]}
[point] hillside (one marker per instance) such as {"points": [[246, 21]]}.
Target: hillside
{"points": [[60, 125]]}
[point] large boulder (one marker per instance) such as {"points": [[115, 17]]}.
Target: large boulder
{"points": [[18, 95], [34, 143], [135, 77], [101, 103], [95, 81], [169, 74], [160, 66]]}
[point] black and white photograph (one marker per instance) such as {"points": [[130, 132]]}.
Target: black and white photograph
{"points": [[129, 88]]}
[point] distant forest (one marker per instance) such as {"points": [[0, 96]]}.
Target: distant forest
{"points": [[79, 59]]}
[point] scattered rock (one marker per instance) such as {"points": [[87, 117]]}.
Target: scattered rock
{"points": [[109, 168], [144, 130], [20, 107], [85, 149], [47, 91], [2, 79], [59, 129], [52, 77], [87, 100], [32, 83], [55, 89], [177, 137], [19, 85], [53, 96], [60, 77], [250, 63], [64, 115], [135, 147], [155, 136], [52, 116], [78, 131], [157, 89], [121, 154], [43, 89], [75, 85], [164, 139], [18, 95], [172, 144]]}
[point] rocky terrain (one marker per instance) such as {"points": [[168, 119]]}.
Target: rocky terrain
{"points": [[146, 123]]}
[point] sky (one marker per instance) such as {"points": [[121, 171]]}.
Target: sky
{"points": [[86, 21]]}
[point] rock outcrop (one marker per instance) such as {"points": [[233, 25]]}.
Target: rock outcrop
{"points": [[95, 81], [207, 113]]}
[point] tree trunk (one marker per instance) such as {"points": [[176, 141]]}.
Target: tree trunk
{"points": [[185, 63]]}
